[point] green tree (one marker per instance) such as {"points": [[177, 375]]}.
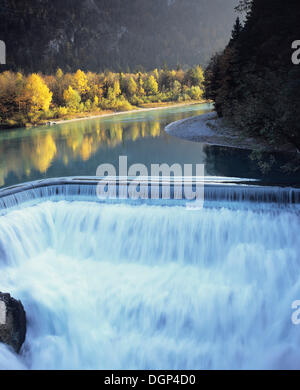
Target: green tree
{"points": [[151, 86], [195, 76], [72, 99], [196, 92], [253, 82], [132, 87], [236, 31]]}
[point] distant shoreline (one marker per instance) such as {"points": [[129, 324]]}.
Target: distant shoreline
{"points": [[211, 130], [59, 122], [106, 113]]}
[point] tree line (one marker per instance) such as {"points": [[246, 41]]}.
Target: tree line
{"points": [[37, 97]]}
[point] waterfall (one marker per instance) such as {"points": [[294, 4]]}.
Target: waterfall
{"points": [[152, 286], [84, 188]]}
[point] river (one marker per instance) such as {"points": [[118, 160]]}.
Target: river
{"points": [[78, 148]]}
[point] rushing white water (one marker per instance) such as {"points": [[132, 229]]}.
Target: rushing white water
{"points": [[149, 287]]}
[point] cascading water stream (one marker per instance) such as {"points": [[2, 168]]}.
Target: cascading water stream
{"points": [[120, 286]]}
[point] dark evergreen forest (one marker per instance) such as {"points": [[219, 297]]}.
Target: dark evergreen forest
{"points": [[253, 82]]}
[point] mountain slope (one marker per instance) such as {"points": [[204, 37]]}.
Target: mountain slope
{"points": [[97, 34]]}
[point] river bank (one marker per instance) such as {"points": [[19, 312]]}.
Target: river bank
{"points": [[210, 129], [142, 109], [105, 113]]}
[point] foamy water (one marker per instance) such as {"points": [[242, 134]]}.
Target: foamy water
{"points": [[150, 287]]}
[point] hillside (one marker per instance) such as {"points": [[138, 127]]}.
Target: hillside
{"points": [[42, 35]]}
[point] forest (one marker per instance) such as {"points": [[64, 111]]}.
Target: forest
{"points": [[120, 35], [254, 83], [37, 98]]}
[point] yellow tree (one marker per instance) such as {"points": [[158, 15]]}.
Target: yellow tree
{"points": [[114, 92], [131, 87], [59, 74], [80, 82], [156, 74], [141, 90], [12, 95], [39, 94], [96, 103], [117, 89], [151, 86], [22, 95]]}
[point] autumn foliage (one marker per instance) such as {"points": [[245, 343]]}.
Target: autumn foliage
{"points": [[37, 98]]}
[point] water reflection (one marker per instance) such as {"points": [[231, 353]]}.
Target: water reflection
{"points": [[78, 148], [29, 154]]}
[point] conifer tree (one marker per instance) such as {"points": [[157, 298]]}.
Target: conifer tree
{"points": [[237, 28]]}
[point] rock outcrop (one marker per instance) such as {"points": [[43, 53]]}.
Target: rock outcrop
{"points": [[12, 322]]}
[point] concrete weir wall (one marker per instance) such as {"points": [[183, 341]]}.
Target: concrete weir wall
{"points": [[85, 188]]}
